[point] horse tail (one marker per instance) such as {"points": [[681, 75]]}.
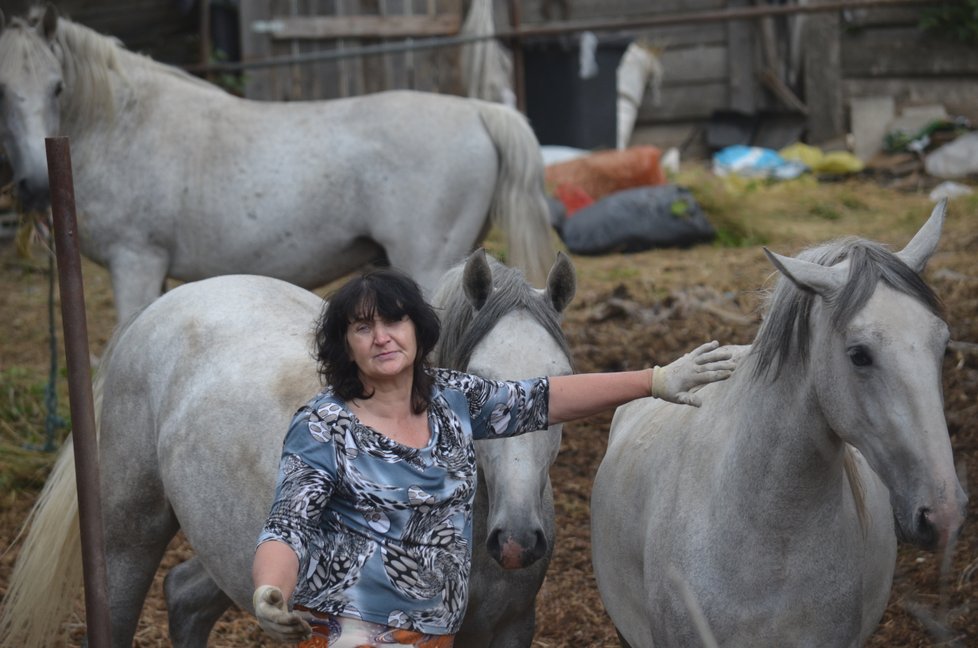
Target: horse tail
{"points": [[519, 206], [48, 571], [46, 578]]}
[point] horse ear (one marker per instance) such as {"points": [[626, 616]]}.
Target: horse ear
{"points": [[920, 248], [807, 275], [561, 282], [477, 279], [50, 21]]}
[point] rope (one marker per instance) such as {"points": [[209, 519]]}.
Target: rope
{"points": [[52, 422]]}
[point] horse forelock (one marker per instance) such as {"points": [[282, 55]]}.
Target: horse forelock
{"points": [[785, 335], [21, 47], [463, 328]]}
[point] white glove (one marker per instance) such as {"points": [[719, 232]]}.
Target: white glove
{"points": [[274, 616], [705, 364]]}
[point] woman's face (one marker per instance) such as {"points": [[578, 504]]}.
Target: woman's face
{"points": [[382, 348]]}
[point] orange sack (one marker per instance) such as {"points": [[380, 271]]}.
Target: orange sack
{"points": [[606, 172], [573, 197]]}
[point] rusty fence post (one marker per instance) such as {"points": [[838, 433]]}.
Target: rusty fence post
{"points": [[79, 390]]}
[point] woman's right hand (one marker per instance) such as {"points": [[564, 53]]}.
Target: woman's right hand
{"points": [[275, 618]]}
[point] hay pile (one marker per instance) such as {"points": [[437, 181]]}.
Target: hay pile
{"points": [[630, 311]]}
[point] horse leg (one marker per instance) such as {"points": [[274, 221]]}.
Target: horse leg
{"points": [[137, 517], [138, 277], [517, 633], [133, 553], [194, 603]]}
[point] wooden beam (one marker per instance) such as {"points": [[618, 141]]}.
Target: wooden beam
{"points": [[740, 62], [365, 26], [823, 77], [259, 83]]}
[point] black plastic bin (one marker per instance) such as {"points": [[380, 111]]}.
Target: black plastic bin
{"points": [[563, 108]]}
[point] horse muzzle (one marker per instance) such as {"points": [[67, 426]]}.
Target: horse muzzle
{"points": [[935, 529], [513, 553]]}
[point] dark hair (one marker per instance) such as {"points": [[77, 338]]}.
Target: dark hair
{"points": [[387, 293]]}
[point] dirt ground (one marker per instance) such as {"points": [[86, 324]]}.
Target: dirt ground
{"points": [[629, 312]]}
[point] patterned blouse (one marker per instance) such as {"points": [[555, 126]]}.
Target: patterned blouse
{"points": [[383, 531]]}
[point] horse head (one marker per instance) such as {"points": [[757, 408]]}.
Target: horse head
{"points": [[877, 343], [500, 327], [31, 85]]}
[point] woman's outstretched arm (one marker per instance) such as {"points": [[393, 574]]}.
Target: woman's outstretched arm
{"points": [[580, 395]]}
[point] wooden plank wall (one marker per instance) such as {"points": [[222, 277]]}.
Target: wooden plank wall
{"points": [[294, 27], [708, 66], [885, 53], [695, 57], [842, 55]]}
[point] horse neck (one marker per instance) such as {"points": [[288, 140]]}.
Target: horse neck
{"points": [[781, 447], [114, 89]]}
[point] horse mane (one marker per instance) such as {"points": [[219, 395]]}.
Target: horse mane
{"points": [[785, 333], [95, 66], [463, 327]]}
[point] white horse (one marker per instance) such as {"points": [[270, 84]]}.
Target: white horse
{"points": [[193, 398], [495, 326], [175, 177], [766, 517]]}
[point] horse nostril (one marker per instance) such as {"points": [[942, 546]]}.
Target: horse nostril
{"points": [[924, 528], [492, 544], [541, 546]]}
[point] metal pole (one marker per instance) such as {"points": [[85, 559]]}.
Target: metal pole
{"points": [[79, 390]]}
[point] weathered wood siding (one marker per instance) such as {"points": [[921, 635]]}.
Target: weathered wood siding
{"points": [[280, 28], [709, 67], [884, 52]]}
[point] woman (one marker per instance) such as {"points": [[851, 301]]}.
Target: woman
{"points": [[370, 531]]}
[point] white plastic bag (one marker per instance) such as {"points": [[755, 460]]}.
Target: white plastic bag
{"points": [[956, 159]]}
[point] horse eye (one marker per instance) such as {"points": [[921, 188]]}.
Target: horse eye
{"points": [[59, 88], [860, 357]]}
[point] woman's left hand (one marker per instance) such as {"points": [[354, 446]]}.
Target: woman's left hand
{"points": [[707, 363]]}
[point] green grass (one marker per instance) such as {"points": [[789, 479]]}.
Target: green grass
{"points": [[795, 213], [24, 463]]}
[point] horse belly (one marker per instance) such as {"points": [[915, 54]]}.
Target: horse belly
{"points": [[217, 380]]}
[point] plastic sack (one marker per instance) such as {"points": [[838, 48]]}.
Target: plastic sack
{"points": [[555, 154], [956, 159], [638, 219], [606, 172], [573, 197], [834, 162], [755, 162]]}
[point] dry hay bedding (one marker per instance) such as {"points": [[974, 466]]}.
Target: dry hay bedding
{"points": [[630, 311]]}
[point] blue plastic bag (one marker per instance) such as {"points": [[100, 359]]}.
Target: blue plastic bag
{"points": [[755, 162]]}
